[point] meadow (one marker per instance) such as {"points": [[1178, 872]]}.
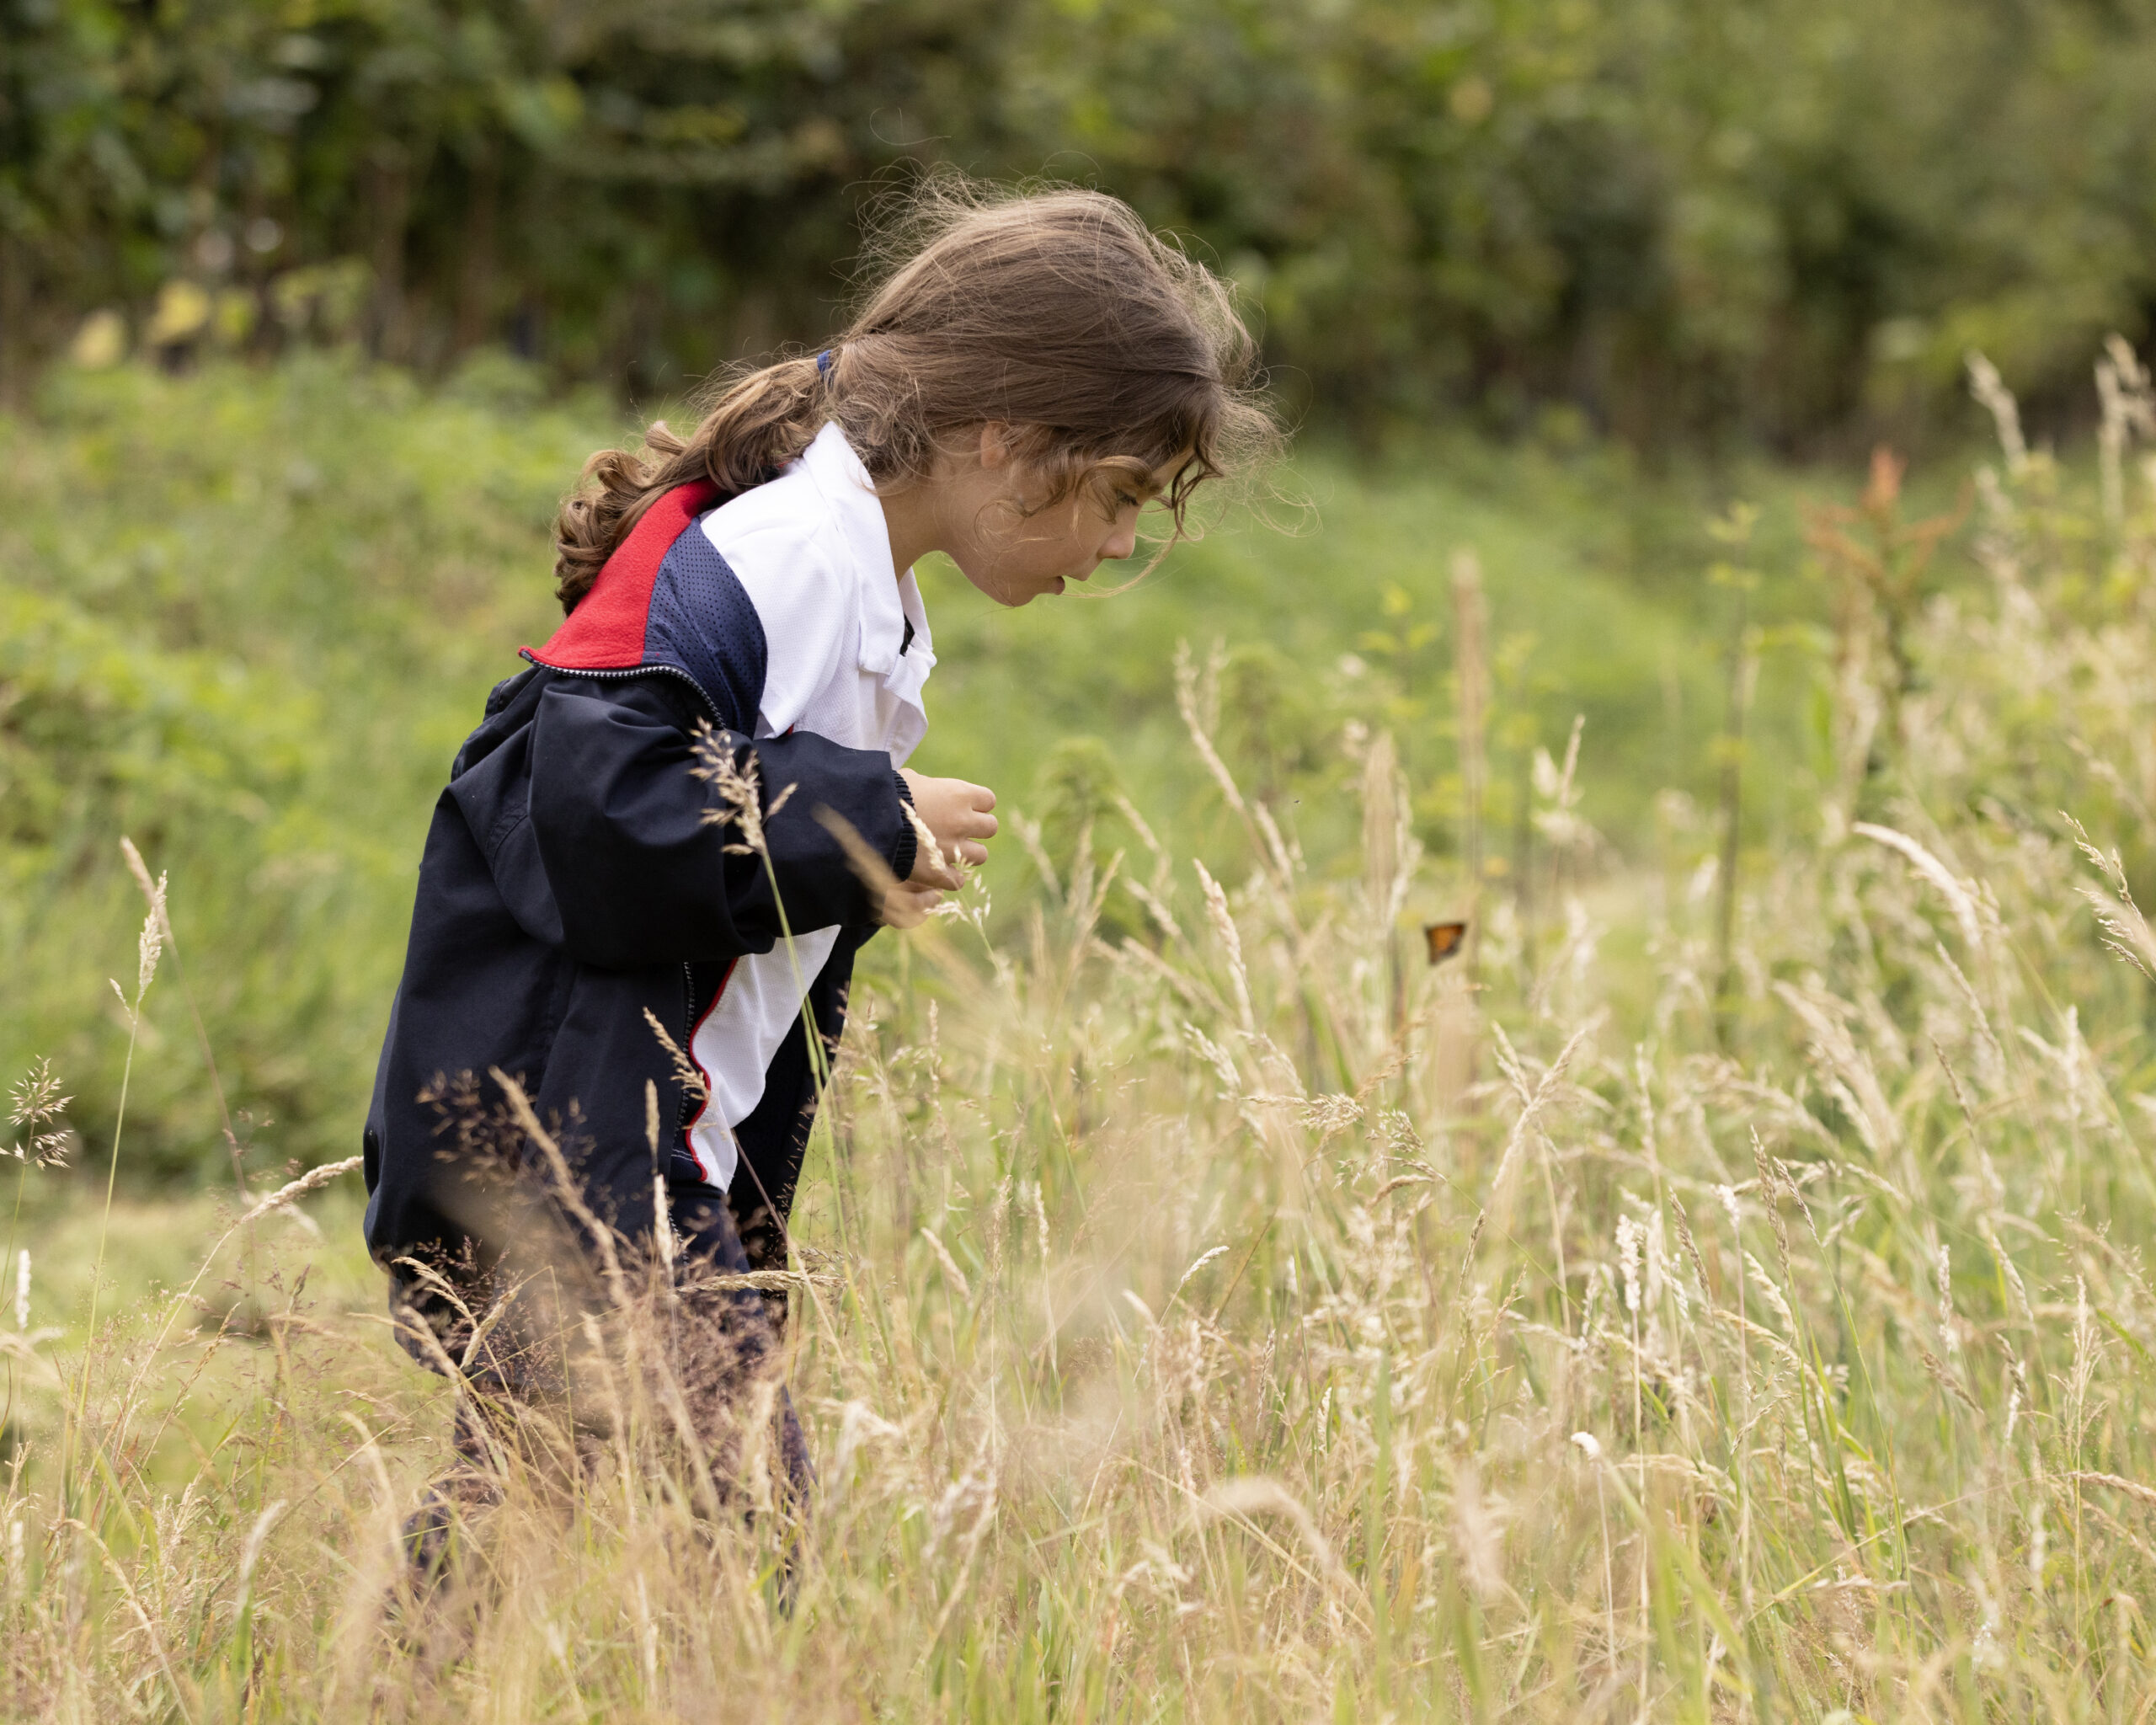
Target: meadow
{"points": [[1713, 1292]]}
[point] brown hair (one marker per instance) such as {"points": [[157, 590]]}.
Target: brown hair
{"points": [[1108, 350]]}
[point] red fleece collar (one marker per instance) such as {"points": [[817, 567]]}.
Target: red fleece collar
{"points": [[605, 631]]}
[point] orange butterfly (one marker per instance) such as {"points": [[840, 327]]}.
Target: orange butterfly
{"points": [[1444, 939]]}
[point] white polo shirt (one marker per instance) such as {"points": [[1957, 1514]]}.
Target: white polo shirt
{"points": [[811, 550]]}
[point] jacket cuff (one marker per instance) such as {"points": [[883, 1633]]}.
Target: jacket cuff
{"points": [[907, 849]]}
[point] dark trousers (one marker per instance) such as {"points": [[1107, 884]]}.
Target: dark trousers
{"points": [[720, 1345]]}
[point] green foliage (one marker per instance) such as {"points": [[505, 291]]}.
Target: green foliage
{"points": [[247, 614], [1680, 216], [1212, 1318], [247, 624]]}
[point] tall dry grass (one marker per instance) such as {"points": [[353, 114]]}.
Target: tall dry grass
{"points": [[1226, 1319]]}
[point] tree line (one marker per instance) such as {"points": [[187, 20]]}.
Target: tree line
{"points": [[1669, 220]]}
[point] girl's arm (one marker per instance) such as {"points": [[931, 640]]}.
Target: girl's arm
{"points": [[636, 872]]}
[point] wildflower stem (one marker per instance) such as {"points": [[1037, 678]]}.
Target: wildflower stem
{"points": [[15, 1215], [7, 1259], [819, 1067], [104, 1227]]}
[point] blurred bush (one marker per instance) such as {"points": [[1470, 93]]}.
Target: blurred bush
{"points": [[1685, 218], [245, 618]]}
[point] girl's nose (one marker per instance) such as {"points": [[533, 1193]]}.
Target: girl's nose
{"points": [[1121, 544]]}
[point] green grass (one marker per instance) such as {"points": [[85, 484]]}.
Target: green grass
{"points": [[1204, 1316], [246, 617]]}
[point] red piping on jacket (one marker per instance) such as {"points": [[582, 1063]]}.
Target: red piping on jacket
{"points": [[688, 1142]]}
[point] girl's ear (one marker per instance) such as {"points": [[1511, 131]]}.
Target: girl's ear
{"points": [[994, 446]]}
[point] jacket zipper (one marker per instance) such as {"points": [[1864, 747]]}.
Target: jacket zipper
{"points": [[622, 675], [683, 1112]]}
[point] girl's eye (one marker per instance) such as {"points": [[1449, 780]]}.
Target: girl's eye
{"points": [[1125, 500]]}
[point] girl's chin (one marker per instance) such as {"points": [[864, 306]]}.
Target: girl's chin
{"points": [[1013, 589]]}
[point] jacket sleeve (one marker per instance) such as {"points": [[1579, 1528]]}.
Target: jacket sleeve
{"points": [[639, 876]]}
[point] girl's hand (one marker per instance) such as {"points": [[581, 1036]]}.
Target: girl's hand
{"points": [[958, 813], [904, 905]]}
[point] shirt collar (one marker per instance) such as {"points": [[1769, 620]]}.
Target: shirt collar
{"points": [[889, 599]]}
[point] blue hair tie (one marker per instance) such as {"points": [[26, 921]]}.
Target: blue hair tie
{"points": [[824, 363]]}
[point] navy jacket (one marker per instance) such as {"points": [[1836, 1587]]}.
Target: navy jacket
{"points": [[570, 886]]}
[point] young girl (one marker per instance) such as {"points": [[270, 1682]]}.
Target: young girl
{"points": [[1016, 390]]}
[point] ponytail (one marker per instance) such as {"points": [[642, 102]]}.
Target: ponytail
{"points": [[1107, 352], [759, 424]]}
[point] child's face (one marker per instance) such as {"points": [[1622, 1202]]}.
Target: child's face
{"points": [[1015, 551]]}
